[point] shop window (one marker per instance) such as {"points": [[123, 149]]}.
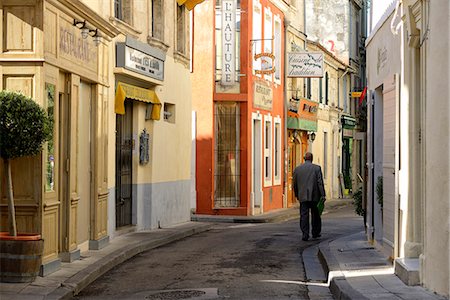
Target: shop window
{"points": [[50, 149], [227, 155], [277, 152], [267, 150], [169, 112], [123, 10], [158, 19]]}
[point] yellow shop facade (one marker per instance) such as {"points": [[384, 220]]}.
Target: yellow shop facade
{"points": [[62, 193]]}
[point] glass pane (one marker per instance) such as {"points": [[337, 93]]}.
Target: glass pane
{"points": [[50, 151]]}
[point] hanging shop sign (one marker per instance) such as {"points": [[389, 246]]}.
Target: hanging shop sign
{"points": [[348, 122], [228, 42], [302, 114], [303, 108], [305, 64], [267, 63], [262, 96]]}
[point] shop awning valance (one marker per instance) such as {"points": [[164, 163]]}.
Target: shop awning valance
{"points": [[124, 91], [189, 4]]}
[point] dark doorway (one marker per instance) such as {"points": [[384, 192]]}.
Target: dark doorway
{"points": [[124, 159]]}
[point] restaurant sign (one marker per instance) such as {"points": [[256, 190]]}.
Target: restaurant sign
{"points": [[305, 64], [262, 96], [140, 62]]}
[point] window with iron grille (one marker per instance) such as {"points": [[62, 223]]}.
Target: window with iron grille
{"points": [[227, 152]]}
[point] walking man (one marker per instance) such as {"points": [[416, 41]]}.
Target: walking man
{"points": [[308, 188]]}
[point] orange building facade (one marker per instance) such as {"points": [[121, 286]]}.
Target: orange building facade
{"points": [[237, 77]]}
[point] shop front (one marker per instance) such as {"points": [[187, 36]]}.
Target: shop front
{"points": [[61, 194], [302, 128], [139, 73], [348, 126]]}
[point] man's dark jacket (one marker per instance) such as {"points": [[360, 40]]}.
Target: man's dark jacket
{"points": [[308, 182]]}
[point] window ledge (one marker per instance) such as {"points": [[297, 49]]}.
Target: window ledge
{"points": [[157, 43], [181, 58], [127, 28]]}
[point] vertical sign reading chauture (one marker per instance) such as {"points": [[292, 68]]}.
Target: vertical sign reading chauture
{"points": [[228, 41]]}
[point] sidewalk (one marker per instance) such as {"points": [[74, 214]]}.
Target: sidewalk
{"points": [[350, 260], [356, 270]]}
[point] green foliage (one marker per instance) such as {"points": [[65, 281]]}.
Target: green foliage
{"points": [[24, 126], [379, 190], [357, 202]]}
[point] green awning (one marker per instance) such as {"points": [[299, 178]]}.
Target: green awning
{"points": [[302, 124]]}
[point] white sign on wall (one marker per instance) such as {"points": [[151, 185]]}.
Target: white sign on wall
{"points": [[228, 42], [143, 63], [305, 64]]}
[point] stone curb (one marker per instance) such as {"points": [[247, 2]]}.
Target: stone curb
{"points": [[339, 286], [82, 279]]}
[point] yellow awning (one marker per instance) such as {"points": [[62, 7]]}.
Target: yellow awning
{"points": [[189, 4], [136, 93]]}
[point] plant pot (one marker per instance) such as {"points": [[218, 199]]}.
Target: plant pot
{"points": [[20, 257]]}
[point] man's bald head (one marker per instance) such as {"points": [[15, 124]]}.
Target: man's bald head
{"points": [[309, 156]]}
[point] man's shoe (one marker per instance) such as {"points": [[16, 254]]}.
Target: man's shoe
{"points": [[316, 236], [305, 238]]}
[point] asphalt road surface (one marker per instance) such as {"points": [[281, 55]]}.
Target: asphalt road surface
{"points": [[231, 261]]}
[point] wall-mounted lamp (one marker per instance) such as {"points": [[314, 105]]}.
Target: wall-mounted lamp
{"points": [[312, 136], [96, 36], [84, 32], [87, 31]]}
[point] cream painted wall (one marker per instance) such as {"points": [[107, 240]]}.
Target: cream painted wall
{"points": [[437, 131], [328, 120], [170, 143], [171, 153]]}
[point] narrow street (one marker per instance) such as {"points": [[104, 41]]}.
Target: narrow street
{"points": [[232, 261]]}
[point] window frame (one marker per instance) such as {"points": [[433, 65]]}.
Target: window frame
{"points": [[277, 151], [181, 38], [158, 11], [257, 35], [267, 146], [277, 48]]}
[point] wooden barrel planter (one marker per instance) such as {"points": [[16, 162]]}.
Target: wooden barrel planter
{"points": [[20, 257]]}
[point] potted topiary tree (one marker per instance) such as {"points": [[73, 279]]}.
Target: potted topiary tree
{"points": [[24, 128]]}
